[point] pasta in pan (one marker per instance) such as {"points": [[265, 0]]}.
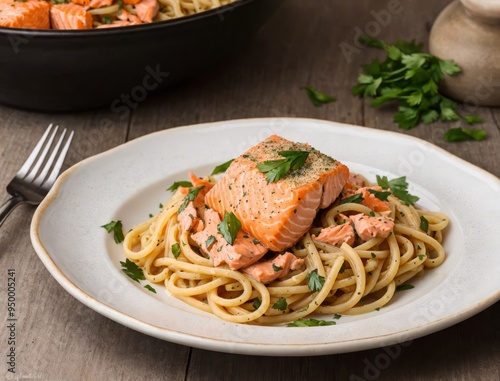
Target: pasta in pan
{"points": [[166, 10], [88, 14], [345, 278]]}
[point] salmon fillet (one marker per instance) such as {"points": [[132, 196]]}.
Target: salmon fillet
{"points": [[31, 14], [277, 213], [70, 16]]}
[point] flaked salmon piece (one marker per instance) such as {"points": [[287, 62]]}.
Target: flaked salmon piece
{"points": [[354, 182], [199, 201], [70, 16], [100, 3], [370, 227], [372, 201], [147, 10], [277, 213], [244, 251], [81, 2], [28, 15], [132, 2], [272, 269], [189, 220], [337, 234]]}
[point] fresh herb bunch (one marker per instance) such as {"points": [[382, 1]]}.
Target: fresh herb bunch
{"points": [[409, 77]]}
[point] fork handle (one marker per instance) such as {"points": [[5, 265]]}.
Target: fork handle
{"points": [[8, 206]]}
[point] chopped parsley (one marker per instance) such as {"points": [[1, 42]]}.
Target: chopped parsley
{"points": [[256, 303], [177, 184], [210, 241], [190, 197], [424, 224], [277, 268], [342, 268], [318, 98], [280, 304], [380, 195], [399, 188], [355, 198], [229, 227], [176, 250], [310, 323], [404, 287], [222, 167], [150, 288], [133, 271], [116, 228], [277, 169], [462, 134], [315, 281]]}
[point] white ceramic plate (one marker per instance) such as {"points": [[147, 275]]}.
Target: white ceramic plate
{"points": [[130, 181]]}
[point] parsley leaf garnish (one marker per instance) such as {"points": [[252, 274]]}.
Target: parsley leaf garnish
{"points": [[150, 288], [280, 304], [318, 98], [315, 281], [190, 197], [277, 268], [277, 169], [462, 134], [177, 184], [355, 198], [222, 167], [229, 227], [399, 188], [410, 78], [116, 228], [133, 271], [380, 195], [404, 287], [310, 323], [424, 224], [176, 250], [256, 303], [210, 241]]}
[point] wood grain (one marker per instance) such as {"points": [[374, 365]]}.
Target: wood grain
{"points": [[61, 339]]}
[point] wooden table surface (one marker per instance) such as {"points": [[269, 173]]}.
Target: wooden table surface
{"points": [[58, 338]]}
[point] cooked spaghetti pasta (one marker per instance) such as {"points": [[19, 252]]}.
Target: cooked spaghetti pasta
{"points": [[356, 279], [126, 12]]}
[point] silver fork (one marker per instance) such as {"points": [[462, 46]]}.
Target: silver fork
{"points": [[33, 181]]}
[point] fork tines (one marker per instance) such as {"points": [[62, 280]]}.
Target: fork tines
{"points": [[37, 167]]}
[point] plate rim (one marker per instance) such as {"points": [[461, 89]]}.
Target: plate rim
{"points": [[248, 348]]}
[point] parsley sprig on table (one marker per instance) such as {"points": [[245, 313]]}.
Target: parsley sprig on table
{"points": [[409, 77], [317, 97]]}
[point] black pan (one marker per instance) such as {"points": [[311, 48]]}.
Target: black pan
{"points": [[119, 67]]}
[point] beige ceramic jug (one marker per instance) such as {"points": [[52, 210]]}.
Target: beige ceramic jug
{"points": [[468, 31]]}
